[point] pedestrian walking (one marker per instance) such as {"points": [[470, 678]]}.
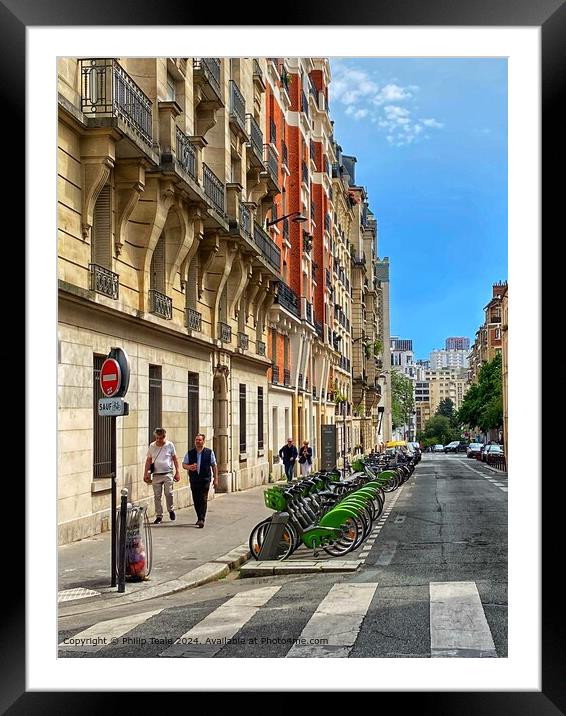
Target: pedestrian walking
{"points": [[305, 458], [160, 470], [200, 461], [289, 454]]}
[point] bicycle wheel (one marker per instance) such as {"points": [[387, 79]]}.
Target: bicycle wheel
{"points": [[288, 540], [351, 529]]}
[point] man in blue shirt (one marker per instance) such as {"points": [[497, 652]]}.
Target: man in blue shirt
{"points": [[199, 462]]}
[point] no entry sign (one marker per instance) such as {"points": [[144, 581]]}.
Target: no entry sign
{"points": [[110, 377]]}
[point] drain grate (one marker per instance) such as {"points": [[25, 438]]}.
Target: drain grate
{"points": [[68, 595]]}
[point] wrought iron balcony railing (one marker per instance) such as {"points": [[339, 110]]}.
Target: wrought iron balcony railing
{"points": [[243, 341], [257, 70], [214, 189], [318, 328], [245, 221], [193, 319], [186, 154], [104, 281], [237, 106], [256, 137], [286, 229], [260, 347], [287, 298], [286, 377], [210, 67], [271, 163], [224, 332], [271, 252], [160, 304], [107, 89]]}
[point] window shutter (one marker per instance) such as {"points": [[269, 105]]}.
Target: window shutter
{"points": [[158, 266], [101, 230]]}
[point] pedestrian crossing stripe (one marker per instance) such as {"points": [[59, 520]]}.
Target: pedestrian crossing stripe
{"points": [[106, 633], [210, 635], [458, 625]]}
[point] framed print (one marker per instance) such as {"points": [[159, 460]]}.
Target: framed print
{"points": [[21, 28]]}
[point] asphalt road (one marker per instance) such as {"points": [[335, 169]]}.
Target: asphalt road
{"points": [[433, 584]]}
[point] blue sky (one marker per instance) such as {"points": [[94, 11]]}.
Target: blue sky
{"points": [[430, 136]]}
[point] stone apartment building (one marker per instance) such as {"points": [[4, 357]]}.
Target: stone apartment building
{"points": [[196, 220]]}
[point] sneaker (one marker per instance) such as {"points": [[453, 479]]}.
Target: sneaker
{"points": [[157, 520], [172, 516], [200, 523]]}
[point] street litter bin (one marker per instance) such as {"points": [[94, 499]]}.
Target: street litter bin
{"points": [[138, 542]]}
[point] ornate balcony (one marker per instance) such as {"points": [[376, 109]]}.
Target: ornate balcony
{"points": [[214, 189], [224, 332], [256, 141], [287, 298], [208, 69], [243, 341], [193, 320], [271, 252], [237, 107], [104, 281], [108, 91], [186, 154], [160, 304], [271, 164]]}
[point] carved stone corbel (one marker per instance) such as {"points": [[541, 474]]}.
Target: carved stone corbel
{"points": [[129, 182], [208, 248], [97, 159], [245, 275]]}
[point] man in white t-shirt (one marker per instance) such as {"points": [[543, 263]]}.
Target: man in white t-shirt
{"points": [[161, 454]]}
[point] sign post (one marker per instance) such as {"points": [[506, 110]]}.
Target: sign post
{"points": [[328, 447], [114, 381]]}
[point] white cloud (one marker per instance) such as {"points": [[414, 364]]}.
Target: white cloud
{"points": [[432, 123], [379, 103]]}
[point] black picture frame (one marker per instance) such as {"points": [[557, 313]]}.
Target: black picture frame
{"points": [[550, 16]]}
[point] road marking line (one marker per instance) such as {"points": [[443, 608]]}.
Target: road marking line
{"points": [[458, 626], [101, 634], [477, 471], [209, 636], [337, 621]]}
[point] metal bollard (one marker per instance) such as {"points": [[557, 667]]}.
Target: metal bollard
{"points": [[122, 547]]}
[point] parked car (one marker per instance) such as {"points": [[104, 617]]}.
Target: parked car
{"points": [[491, 450], [474, 449], [438, 448], [452, 447]]}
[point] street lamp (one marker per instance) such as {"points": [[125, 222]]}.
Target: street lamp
{"points": [[298, 218]]}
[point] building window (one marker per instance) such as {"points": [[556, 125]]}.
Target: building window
{"points": [[102, 428], [193, 407], [242, 417], [155, 397], [260, 418]]}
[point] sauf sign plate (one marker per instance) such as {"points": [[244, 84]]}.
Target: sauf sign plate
{"points": [[111, 407]]}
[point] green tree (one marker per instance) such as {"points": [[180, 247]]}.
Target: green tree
{"points": [[438, 430], [446, 408], [482, 406], [402, 400]]}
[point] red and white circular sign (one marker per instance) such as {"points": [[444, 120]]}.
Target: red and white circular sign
{"points": [[110, 377]]}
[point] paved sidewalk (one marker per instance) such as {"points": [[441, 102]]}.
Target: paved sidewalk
{"points": [[184, 556]]}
